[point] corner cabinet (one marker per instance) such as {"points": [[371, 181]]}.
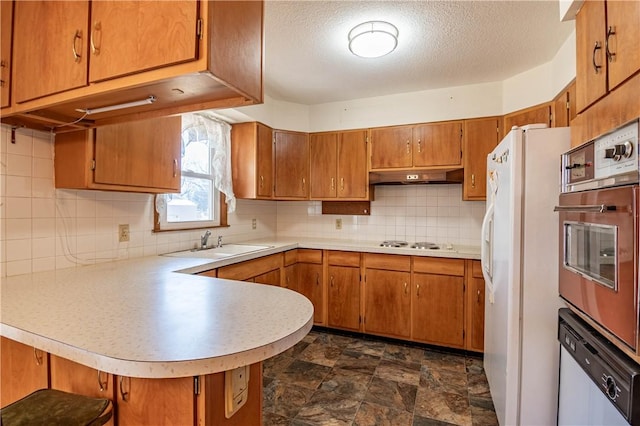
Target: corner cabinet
{"points": [[338, 166], [481, 136], [252, 160], [539, 114], [304, 274], [23, 370], [418, 146], [141, 156], [291, 165], [97, 54]]}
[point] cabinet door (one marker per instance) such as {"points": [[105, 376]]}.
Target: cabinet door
{"points": [[140, 153], [23, 370], [591, 64], [344, 297], [537, 114], [6, 23], [323, 151], [271, 278], [155, 401], [291, 164], [438, 144], [50, 47], [264, 162], [475, 311], [132, 36], [309, 283], [623, 18], [391, 147], [387, 303], [481, 136], [438, 309], [353, 177]]}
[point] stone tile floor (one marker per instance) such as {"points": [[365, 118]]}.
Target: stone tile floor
{"points": [[332, 379]]}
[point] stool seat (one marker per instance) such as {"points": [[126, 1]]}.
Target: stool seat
{"points": [[54, 407]]}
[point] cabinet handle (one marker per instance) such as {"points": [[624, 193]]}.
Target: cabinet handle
{"points": [[38, 358], [3, 64], [408, 146], [261, 181], [96, 27], [76, 55], [333, 183], [331, 280], [175, 167], [596, 67], [317, 279], [473, 180], [287, 286], [610, 31], [102, 385], [125, 395], [419, 145], [303, 183], [405, 288], [418, 290], [478, 300], [341, 184]]}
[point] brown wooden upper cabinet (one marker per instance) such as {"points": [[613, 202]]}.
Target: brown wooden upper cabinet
{"points": [[141, 156], [338, 165], [539, 114], [291, 165], [564, 106], [102, 53], [417, 146], [481, 136], [252, 160], [607, 53], [6, 13]]}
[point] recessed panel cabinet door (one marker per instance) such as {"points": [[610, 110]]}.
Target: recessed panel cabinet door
{"points": [[623, 27], [131, 36], [387, 304], [438, 144], [50, 41], [140, 153], [352, 182], [591, 60]]}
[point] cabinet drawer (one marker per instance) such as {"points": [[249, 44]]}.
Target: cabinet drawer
{"points": [[344, 258], [251, 268], [438, 265], [476, 269], [390, 262], [290, 257], [309, 256]]}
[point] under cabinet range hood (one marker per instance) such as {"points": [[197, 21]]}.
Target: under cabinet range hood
{"points": [[412, 177]]}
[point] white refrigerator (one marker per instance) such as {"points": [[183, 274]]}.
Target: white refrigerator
{"points": [[520, 265]]}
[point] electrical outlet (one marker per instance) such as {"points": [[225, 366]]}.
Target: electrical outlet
{"points": [[123, 233], [254, 223], [338, 223]]}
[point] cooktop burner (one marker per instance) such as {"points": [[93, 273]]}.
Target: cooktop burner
{"points": [[425, 245], [393, 243]]}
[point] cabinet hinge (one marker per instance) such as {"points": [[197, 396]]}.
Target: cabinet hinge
{"points": [[196, 385], [366, 138], [497, 129], [550, 119], [568, 105], [93, 164], [460, 133], [463, 334], [359, 319], [199, 28]]}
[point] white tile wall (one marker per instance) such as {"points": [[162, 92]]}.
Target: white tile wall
{"points": [[42, 228], [434, 213]]}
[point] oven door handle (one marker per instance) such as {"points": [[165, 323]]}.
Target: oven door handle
{"points": [[597, 208]]}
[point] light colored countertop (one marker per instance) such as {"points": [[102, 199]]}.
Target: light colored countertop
{"points": [[148, 317], [138, 318]]}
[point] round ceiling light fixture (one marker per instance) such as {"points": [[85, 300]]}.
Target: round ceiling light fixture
{"points": [[373, 39]]}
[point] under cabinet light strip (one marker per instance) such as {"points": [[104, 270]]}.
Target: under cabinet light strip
{"points": [[88, 111]]}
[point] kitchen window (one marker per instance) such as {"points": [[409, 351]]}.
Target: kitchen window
{"points": [[206, 178]]}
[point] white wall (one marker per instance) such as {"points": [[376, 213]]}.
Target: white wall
{"points": [[43, 228]]}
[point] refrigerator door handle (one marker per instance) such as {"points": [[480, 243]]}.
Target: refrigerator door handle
{"points": [[486, 251]]}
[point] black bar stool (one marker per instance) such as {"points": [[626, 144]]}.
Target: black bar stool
{"points": [[54, 407]]}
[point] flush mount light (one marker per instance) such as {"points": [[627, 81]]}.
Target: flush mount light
{"points": [[373, 39], [88, 111]]}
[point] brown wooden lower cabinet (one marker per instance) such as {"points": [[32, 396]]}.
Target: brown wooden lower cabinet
{"points": [[475, 307], [343, 293], [23, 370]]}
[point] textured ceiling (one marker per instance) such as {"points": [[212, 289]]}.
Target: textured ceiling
{"points": [[441, 44]]}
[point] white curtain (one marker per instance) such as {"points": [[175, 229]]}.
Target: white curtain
{"points": [[219, 135]]}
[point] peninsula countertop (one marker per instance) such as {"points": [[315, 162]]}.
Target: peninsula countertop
{"points": [[141, 318]]}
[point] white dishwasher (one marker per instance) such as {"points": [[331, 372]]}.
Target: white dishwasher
{"points": [[599, 384]]}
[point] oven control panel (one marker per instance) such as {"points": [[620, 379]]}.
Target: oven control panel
{"points": [[617, 152]]}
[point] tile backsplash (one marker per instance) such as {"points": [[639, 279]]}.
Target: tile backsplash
{"points": [[43, 228]]}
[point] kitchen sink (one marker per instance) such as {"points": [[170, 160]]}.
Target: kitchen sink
{"points": [[224, 251]]}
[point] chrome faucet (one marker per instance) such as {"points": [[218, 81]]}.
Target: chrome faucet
{"points": [[219, 241], [204, 238]]}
